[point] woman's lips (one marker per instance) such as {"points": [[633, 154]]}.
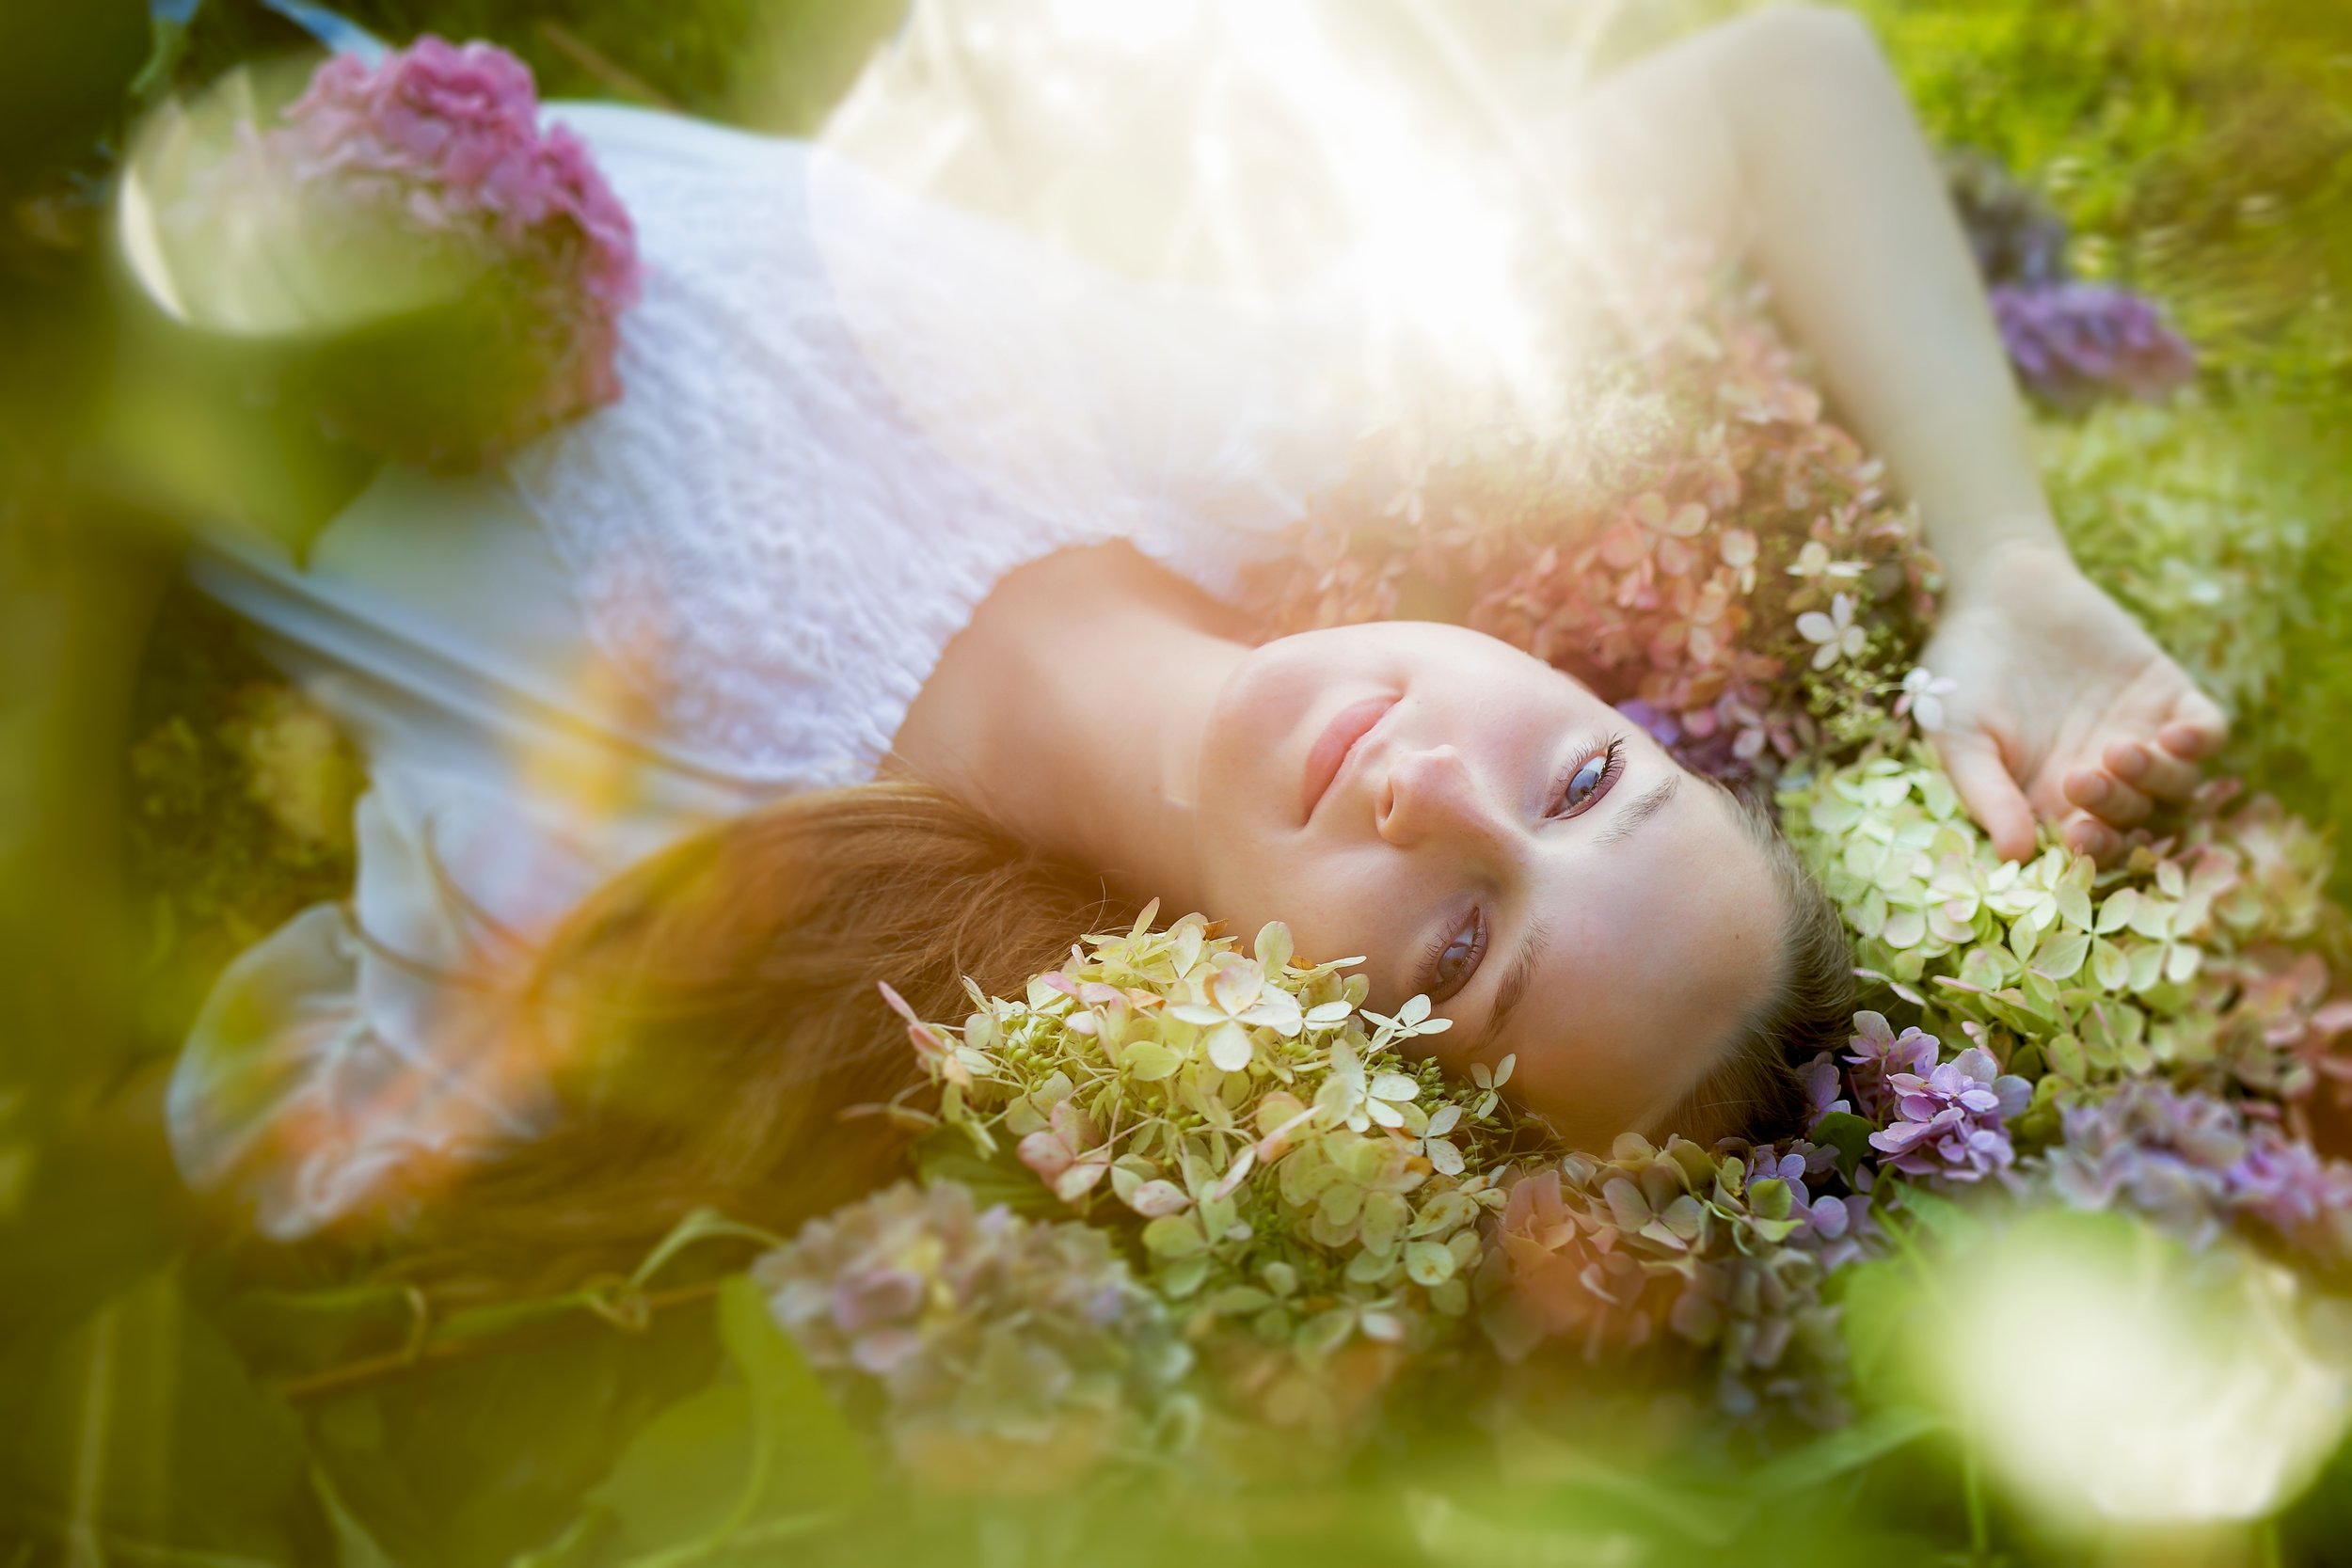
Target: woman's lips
{"points": [[1330, 753]]}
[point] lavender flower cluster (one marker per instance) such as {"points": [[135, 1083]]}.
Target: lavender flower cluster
{"points": [[2073, 343], [2196, 1165], [1935, 1118], [1000, 1350]]}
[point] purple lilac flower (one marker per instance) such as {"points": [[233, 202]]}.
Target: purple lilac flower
{"points": [[445, 143], [2194, 1163], [2073, 343]]}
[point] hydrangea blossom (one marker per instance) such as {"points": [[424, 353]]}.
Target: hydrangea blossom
{"points": [[1922, 698], [999, 1351], [438, 151], [1949, 1121], [1696, 541], [2073, 341], [1943, 1120], [2196, 1164], [1276, 1157], [2180, 955], [1725, 1252]]}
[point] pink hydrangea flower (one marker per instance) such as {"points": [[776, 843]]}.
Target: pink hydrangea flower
{"points": [[2195, 1163], [1704, 548], [444, 141]]}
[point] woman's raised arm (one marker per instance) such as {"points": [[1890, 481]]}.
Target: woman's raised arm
{"points": [[1786, 136]]}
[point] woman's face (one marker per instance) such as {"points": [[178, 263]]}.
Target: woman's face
{"points": [[1484, 829]]}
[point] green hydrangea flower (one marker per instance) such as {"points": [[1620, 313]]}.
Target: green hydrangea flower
{"points": [[1285, 1171], [2183, 961]]}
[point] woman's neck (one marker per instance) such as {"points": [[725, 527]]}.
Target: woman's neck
{"points": [[1072, 710]]}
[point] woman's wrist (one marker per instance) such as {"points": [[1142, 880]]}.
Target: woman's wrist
{"points": [[1985, 557]]}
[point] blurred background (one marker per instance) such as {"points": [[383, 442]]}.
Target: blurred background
{"points": [[164, 800]]}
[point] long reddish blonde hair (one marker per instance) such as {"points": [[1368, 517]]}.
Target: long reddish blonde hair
{"points": [[713, 1027]]}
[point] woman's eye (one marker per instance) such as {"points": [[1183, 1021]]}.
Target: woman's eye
{"points": [[1585, 782], [1458, 960], [1591, 779]]}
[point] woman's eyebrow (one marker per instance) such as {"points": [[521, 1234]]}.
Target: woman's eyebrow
{"points": [[1640, 811]]}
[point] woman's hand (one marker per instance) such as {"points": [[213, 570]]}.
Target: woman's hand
{"points": [[2063, 708]]}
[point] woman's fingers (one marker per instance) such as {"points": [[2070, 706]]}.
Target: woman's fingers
{"points": [[2105, 797], [2198, 728], [2087, 835], [2155, 771], [1988, 791]]}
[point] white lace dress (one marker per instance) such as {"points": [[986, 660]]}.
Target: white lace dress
{"points": [[847, 414]]}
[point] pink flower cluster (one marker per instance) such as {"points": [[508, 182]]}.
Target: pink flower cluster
{"points": [[445, 141], [1678, 548], [1725, 1249]]}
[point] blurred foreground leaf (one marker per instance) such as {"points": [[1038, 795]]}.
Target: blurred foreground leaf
{"points": [[138, 1434], [758, 1457]]}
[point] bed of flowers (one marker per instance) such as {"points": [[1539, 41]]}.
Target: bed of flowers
{"points": [[1200, 1255], [1320, 1232], [1318, 1213], [1191, 1218]]}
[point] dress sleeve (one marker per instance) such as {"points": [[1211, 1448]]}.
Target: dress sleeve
{"points": [[343, 1060]]}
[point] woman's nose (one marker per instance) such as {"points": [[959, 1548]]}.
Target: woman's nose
{"points": [[1430, 794]]}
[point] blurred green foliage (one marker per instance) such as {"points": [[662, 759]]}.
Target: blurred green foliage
{"points": [[170, 1404]]}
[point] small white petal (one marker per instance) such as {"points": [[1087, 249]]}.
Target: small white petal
{"points": [[1229, 1047]]}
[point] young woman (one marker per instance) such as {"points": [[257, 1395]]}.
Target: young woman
{"points": [[881, 632]]}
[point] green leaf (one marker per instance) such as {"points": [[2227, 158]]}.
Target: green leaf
{"points": [[1844, 1451], [140, 1424], [1849, 1135], [947, 1156], [1878, 1306], [1946, 1221], [763, 1453], [355, 1546]]}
